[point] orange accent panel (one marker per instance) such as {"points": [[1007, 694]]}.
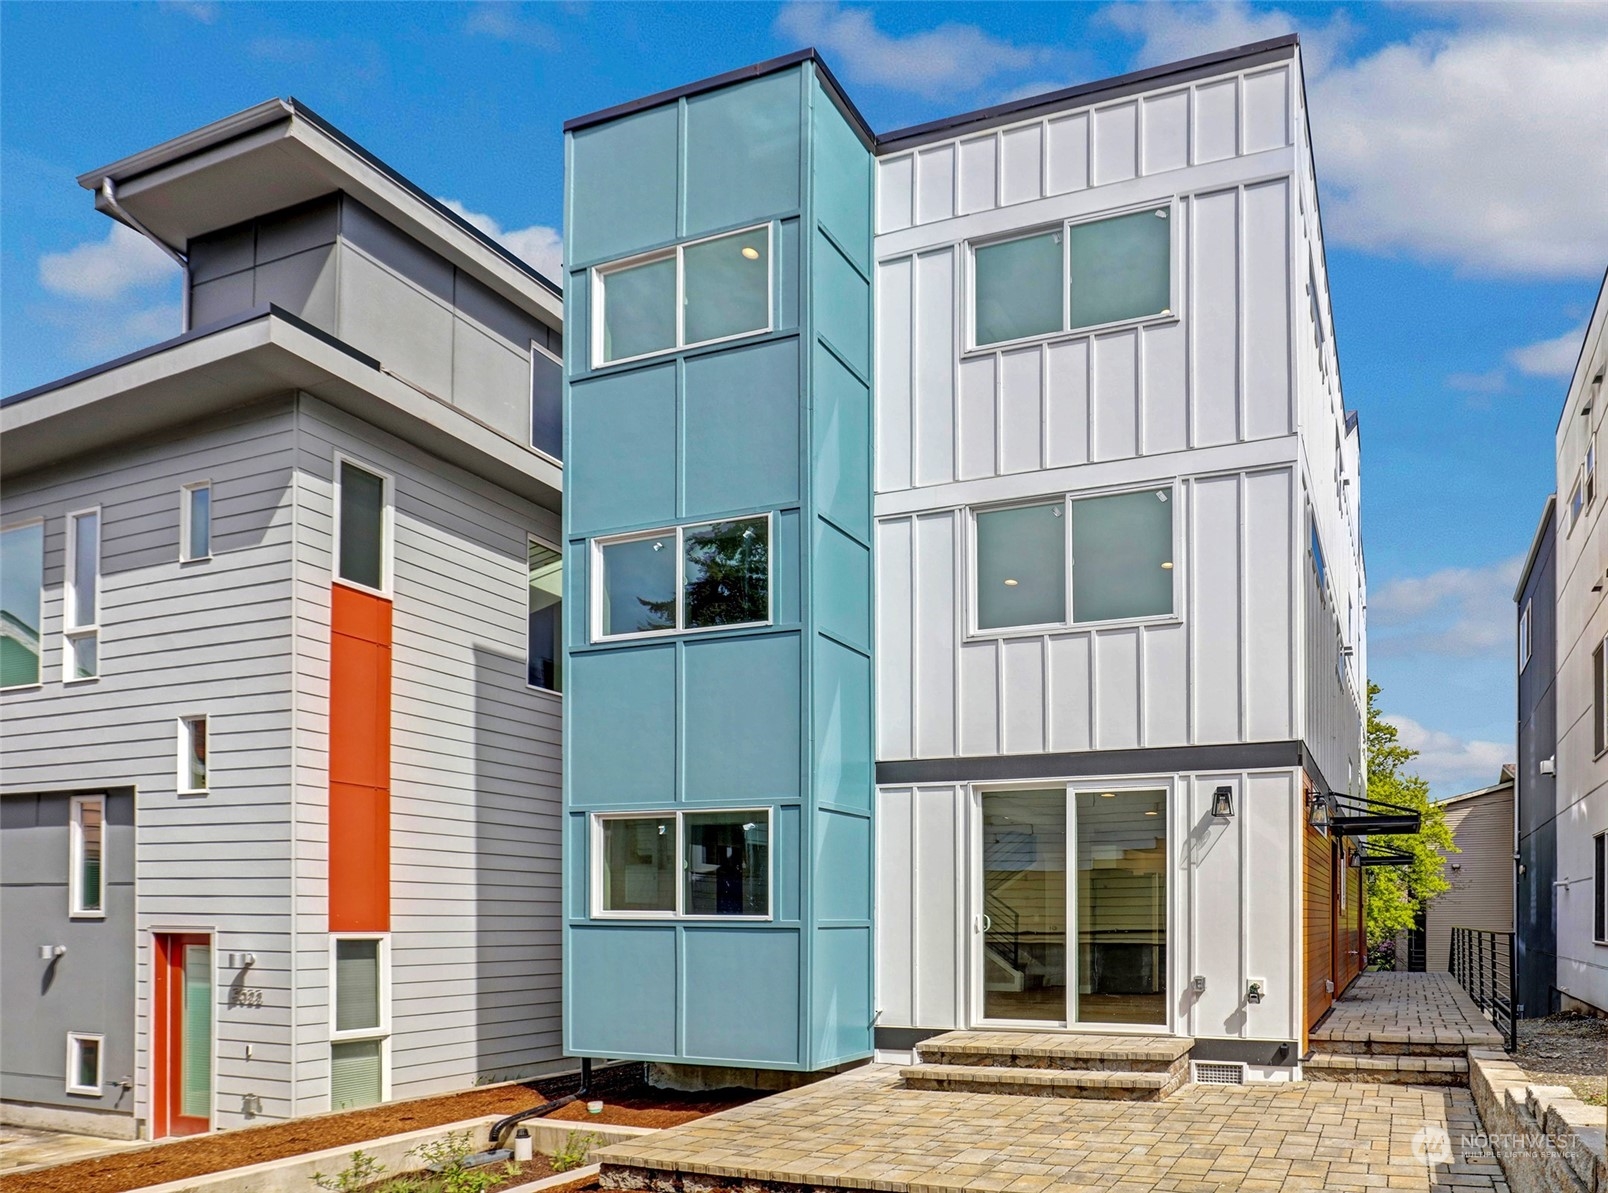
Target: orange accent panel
{"points": [[162, 1033], [359, 762]]}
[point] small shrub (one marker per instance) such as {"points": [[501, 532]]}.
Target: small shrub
{"points": [[1383, 955], [572, 1153], [363, 1170], [448, 1157]]}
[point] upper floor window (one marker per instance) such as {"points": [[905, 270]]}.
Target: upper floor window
{"points": [[696, 293], [1577, 500], [1599, 700], [1318, 563], [192, 777], [695, 577], [1524, 636], [1120, 547], [81, 621], [22, 581], [362, 526], [195, 521], [545, 621], [722, 860], [86, 882], [1077, 276], [546, 402]]}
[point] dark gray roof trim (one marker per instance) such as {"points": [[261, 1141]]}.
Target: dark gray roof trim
{"points": [[268, 310], [1265, 755], [1543, 531], [741, 75]]}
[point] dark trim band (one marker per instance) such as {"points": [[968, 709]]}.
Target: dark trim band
{"points": [[903, 1039], [1245, 1052], [1232, 756]]}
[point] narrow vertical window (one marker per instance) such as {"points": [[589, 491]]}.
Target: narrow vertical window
{"points": [[86, 832], [81, 621], [1524, 637], [192, 755], [545, 606], [546, 402], [22, 578], [1599, 731], [362, 554], [195, 521], [360, 1023], [84, 1063], [1599, 888]]}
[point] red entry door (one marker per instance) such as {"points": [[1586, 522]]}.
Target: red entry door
{"points": [[181, 1031]]}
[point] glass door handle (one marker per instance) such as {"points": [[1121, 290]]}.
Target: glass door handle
{"points": [[985, 924]]}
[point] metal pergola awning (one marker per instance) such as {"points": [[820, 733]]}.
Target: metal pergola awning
{"points": [[1351, 816], [1383, 855]]}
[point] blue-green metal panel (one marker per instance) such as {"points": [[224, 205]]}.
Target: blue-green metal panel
{"points": [[743, 153], [741, 719], [840, 995], [740, 995], [842, 447], [621, 466], [618, 977], [787, 884], [842, 586], [789, 280], [841, 298], [741, 418], [842, 698], [620, 741], [786, 591], [842, 875], [622, 187], [842, 181]]}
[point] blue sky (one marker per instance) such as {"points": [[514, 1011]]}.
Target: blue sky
{"points": [[1460, 162]]}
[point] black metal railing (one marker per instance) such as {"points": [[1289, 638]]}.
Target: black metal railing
{"points": [[1482, 963]]}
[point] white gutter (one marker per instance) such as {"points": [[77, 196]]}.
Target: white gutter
{"points": [[108, 195]]}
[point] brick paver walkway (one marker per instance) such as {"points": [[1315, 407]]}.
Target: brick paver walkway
{"points": [[864, 1130], [1401, 1008]]}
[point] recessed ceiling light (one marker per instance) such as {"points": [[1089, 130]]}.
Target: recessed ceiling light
{"points": [[1010, 584], [1167, 567], [750, 252], [1108, 795], [1151, 812]]}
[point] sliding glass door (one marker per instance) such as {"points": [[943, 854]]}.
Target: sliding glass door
{"points": [[1122, 907], [1024, 905]]}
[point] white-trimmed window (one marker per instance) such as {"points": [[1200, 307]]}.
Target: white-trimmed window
{"points": [[84, 1063], [709, 575], [192, 771], [22, 570], [544, 621], [1074, 276], [1589, 470], [1577, 500], [1524, 637], [1599, 888], [360, 1020], [701, 292], [1599, 700], [546, 401], [682, 865], [195, 522], [86, 860], [81, 597], [362, 526], [1075, 560]]}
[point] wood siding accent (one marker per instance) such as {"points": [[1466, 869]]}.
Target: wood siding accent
{"points": [[359, 762], [1318, 900], [1349, 933]]}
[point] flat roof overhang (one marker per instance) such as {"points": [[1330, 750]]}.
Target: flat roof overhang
{"points": [[1350, 816], [281, 153], [230, 364]]}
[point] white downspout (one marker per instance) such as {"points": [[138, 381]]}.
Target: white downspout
{"points": [[108, 194]]}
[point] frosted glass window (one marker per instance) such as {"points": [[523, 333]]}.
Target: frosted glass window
{"points": [[195, 1049], [726, 576], [357, 985], [1016, 288], [195, 530], [727, 864], [88, 885], [545, 601], [1021, 566], [362, 526], [1121, 267], [639, 864], [726, 285], [639, 309], [639, 585], [22, 575], [1122, 562], [356, 1074]]}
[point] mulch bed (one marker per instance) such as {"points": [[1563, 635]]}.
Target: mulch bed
{"points": [[1567, 1049], [627, 1098]]}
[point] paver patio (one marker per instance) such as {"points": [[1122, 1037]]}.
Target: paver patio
{"points": [[864, 1130], [1384, 1009]]}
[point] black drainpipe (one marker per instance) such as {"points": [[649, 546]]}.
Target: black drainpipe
{"points": [[501, 1125]]}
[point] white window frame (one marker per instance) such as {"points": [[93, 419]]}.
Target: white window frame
{"points": [[23, 524], [595, 612], [1577, 504], [1525, 631], [187, 520], [72, 631], [600, 276], [75, 1042], [75, 858], [382, 1033], [1067, 623], [532, 540], [530, 421], [387, 526], [1172, 313], [678, 815], [182, 763], [1599, 887]]}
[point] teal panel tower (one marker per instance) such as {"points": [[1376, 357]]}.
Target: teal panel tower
{"points": [[718, 631]]}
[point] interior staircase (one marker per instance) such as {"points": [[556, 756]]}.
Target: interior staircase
{"points": [[1052, 1065]]}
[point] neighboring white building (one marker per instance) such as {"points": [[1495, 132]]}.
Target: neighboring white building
{"points": [[280, 706], [1581, 886]]}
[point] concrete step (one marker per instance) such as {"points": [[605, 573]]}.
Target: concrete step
{"points": [[1058, 1050], [1389, 1070], [1104, 1084]]}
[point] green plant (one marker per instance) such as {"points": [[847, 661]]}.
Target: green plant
{"points": [[572, 1153], [363, 1170], [448, 1158]]}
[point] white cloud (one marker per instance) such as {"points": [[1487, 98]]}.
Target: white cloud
{"points": [[505, 22], [200, 10], [94, 332], [1551, 358], [538, 246], [935, 64], [1492, 381], [1471, 144], [102, 270], [1448, 762], [1463, 612]]}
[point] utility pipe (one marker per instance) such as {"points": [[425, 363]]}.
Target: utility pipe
{"points": [[501, 1125]]}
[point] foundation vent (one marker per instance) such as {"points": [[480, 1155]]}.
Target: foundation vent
{"points": [[1210, 1072]]}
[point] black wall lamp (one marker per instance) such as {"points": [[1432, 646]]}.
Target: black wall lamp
{"points": [[1318, 810], [1223, 802]]}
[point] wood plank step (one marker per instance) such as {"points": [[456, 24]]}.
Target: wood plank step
{"points": [[1043, 1083]]}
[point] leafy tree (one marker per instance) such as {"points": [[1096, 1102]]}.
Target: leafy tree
{"points": [[1395, 893]]}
